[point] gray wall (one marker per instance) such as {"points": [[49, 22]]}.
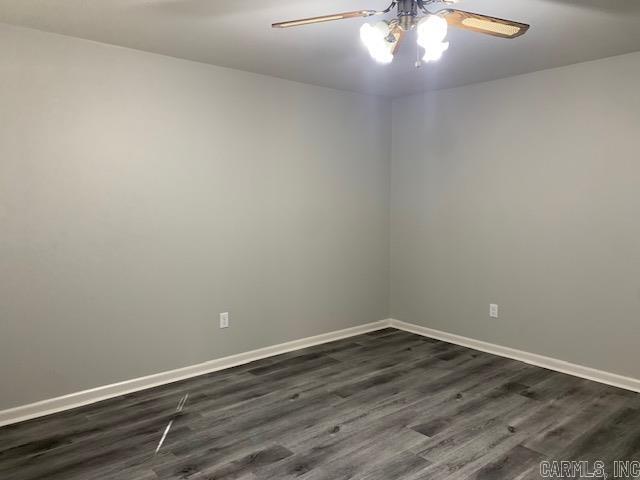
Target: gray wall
{"points": [[524, 192], [141, 195]]}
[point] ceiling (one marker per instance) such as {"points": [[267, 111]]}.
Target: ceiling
{"points": [[237, 34]]}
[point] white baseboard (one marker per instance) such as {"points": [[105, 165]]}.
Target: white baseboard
{"points": [[608, 378], [78, 399]]}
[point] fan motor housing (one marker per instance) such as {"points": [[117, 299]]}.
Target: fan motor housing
{"points": [[407, 12]]}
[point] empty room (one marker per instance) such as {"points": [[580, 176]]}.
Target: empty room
{"points": [[319, 239]]}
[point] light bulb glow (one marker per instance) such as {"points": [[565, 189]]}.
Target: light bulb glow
{"points": [[374, 38], [432, 31], [434, 52]]}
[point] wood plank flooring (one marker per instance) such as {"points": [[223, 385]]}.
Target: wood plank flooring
{"points": [[380, 406]]}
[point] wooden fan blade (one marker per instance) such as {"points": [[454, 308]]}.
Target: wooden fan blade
{"points": [[325, 18], [484, 24]]}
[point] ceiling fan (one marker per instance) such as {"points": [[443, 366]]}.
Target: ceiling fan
{"points": [[383, 39]]}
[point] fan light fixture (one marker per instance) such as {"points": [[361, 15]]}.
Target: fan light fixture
{"points": [[383, 39], [432, 30], [379, 40]]}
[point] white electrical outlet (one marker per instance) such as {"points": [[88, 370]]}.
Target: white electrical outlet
{"points": [[224, 320], [493, 310]]}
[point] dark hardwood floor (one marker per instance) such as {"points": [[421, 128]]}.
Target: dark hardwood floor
{"points": [[381, 406]]}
